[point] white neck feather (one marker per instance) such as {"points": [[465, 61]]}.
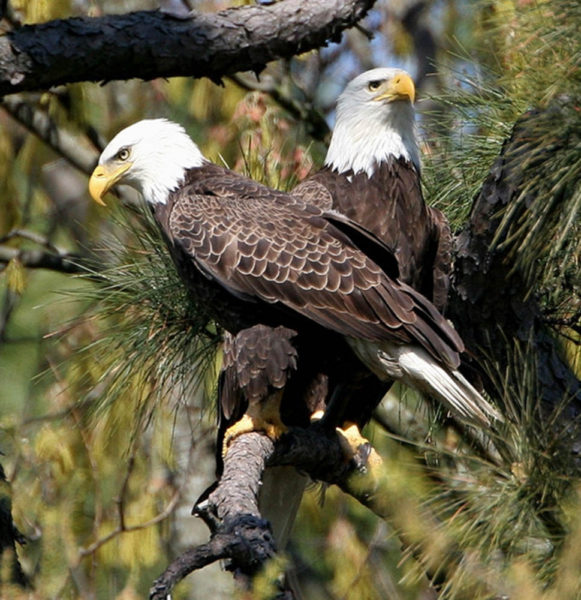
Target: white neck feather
{"points": [[368, 136], [163, 176]]}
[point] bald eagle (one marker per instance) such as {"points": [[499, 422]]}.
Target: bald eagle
{"points": [[252, 255], [372, 175]]}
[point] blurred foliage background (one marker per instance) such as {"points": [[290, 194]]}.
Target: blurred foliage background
{"points": [[106, 421]]}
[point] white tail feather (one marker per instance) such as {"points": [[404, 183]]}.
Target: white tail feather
{"points": [[413, 366], [421, 371], [279, 500]]}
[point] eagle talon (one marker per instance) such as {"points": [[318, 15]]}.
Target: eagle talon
{"points": [[270, 424], [357, 448], [317, 416]]}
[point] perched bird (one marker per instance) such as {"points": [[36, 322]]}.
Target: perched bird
{"points": [[253, 255], [255, 259], [372, 175]]}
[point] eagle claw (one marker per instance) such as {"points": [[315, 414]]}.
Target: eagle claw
{"points": [[271, 424], [357, 448]]}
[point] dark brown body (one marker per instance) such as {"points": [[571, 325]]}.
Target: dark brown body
{"points": [[390, 204], [251, 256]]}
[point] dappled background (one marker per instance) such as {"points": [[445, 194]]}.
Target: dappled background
{"points": [[107, 423]]}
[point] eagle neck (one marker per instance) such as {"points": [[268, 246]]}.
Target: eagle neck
{"points": [[364, 139], [157, 184]]}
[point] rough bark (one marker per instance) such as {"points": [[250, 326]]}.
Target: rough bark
{"points": [[238, 531], [241, 535], [494, 303], [149, 44]]}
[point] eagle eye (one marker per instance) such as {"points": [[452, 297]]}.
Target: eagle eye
{"points": [[123, 154], [372, 86]]}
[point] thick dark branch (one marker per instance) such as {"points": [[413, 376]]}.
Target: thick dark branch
{"points": [[149, 44], [241, 535], [492, 302], [41, 259], [245, 540], [231, 509]]}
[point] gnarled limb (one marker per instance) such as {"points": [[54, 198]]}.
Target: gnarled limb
{"points": [[231, 510], [150, 44], [493, 298], [240, 535]]}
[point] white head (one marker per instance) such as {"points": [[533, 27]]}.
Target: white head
{"points": [[151, 155], [375, 119]]}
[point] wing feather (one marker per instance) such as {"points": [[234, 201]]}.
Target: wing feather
{"points": [[390, 204], [255, 361], [276, 250]]}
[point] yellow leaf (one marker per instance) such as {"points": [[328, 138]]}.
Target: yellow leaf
{"points": [[15, 276], [51, 446]]}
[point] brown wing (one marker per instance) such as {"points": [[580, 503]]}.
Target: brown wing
{"points": [[313, 192], [390, 204], [279, 256], [256, 361], [266, 247], [442, 259]]}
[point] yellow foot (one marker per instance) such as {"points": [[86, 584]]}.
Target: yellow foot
{"points": [[317, 415], [358, 448], [270, 424]]}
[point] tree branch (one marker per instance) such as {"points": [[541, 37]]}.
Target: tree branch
{"points": [[150, 44], [231, 512], [492, 296], [241, 535], [37, 121], [41, 259]]}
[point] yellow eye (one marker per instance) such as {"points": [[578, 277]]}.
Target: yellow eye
{"points": [[372, 86], [123, 154]]}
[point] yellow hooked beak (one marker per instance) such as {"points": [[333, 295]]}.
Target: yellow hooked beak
{"points": [[401, 87], [103, 179]]}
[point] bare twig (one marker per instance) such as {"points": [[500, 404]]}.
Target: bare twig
{"points": [[164, 514], [39, 259], [60, 414], [31, 236], [37, 121]]}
